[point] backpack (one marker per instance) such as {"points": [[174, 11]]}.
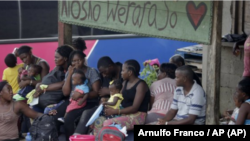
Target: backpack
{"points": [[110, 133], [44, 129]]}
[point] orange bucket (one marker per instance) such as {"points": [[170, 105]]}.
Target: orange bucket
{"points": [[82, 138]]}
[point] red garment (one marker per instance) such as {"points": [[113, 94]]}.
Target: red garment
{"points": [[74, 104], [23, 73], [246, 72]]}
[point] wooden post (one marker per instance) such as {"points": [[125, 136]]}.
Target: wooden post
{"points": [[64, 33], [213, 67]]}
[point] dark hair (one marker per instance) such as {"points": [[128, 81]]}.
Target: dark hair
{"points": [[169, 69], [2, 84], [79, 71], [177, 59], [76, 52], [64, 51], [24, 49], [10, 60], [79, 44], [134, 66], [37, 68], [244, 86], [118, 84], [190, 74], [197, 79], [105, 61]]}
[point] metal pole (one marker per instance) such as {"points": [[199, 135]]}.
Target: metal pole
{"points": [[91, 31], [55, 39], [20, 19], [236, 17], [243, 16]]}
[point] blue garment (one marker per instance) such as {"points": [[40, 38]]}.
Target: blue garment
{"points": [[48, 109], [24, 91], [84, 87], [118, 126], [247, 121]]}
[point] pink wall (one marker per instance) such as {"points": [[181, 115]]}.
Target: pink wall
{"points": [[44, 50]]}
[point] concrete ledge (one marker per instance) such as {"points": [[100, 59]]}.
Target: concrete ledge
{"points": [[229, 44]]}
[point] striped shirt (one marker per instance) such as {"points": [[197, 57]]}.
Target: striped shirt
{"points": [[163, 93], [193, 103]]}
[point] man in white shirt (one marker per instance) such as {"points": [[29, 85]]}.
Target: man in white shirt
{"points": [[189, 102]]}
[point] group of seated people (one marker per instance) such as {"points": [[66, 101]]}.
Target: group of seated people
{"points": [[176, 98]]}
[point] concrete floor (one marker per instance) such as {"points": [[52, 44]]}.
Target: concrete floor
{"points": [[24, 134]]}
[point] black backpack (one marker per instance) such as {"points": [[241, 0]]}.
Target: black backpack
{"points": [[44, 129]]}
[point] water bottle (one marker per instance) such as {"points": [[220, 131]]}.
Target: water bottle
{"points": [[28, 137]]}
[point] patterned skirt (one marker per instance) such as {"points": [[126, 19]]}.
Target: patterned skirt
{"points": [[128, 120]]}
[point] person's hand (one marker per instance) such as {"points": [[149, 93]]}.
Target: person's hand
{"points": [[236, 49], [161, 121], [38, 88], [110, 111], [103, 100], [53, 112], [38, 92], [15, 52], [24, 83], [227, 115], [103, 91], [20, 70], [71, 70], [80, 102], [25, 78], [76, 95]]}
